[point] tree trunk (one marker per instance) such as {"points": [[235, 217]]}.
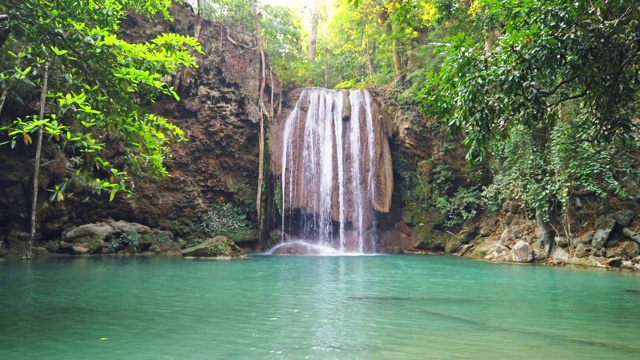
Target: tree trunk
{"points": [[3, 97], [371, 54], [464, 249], [492, 38], [313, 36], [5, 30], [397, 60], [633, 235], [261, 113], [545, 234], [36, 170]]}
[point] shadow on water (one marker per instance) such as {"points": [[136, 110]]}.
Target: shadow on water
{"points": [[430, 300]]}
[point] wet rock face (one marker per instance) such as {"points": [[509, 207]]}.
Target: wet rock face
{"points": [[218, 164]]}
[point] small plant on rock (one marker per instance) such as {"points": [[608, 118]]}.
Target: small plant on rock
{"points": [[130, 238]]}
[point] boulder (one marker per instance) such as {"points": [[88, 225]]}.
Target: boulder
{"points": [[39, 250], [521, 252], [511, 206], [463, 237], [486, 227], [80, 248], [584, 239], [562, 241], [296, 248], [538, 252], [559, 253], [501, 249], [518, 231], [628, 265], [623, 217], [217, 247], [509, 218], [501, 253], [627, 250], [83, 233], [604, 227], [582, 250], [506, 237], [122, 226], [396, 240]]}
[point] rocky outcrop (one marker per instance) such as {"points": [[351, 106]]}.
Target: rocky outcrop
{"points": [[112, 237], [608, 242], [218, 247], [218, 163]]}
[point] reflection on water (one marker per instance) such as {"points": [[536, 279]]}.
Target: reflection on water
{"points": [[379, 307]]}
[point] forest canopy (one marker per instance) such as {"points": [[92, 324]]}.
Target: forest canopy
{"points": [[544, 93]]}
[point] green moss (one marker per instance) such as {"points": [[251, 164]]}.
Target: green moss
{"points": [[423, 232], [94, 246], [453, 244], [219, 249], [243, 235], [479, 253]]}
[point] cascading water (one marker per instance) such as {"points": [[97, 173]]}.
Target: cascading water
{"points": [[335, 171]]}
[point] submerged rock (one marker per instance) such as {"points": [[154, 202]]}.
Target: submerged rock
{"points": [[217, 247], [296, 248]]}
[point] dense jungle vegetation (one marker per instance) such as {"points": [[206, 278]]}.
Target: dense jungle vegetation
{"points": [[544, 94]]}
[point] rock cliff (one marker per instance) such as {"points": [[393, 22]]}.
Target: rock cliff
{"points": [[219, 163]]}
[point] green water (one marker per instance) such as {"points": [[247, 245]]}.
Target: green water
{"points": [[375, 307]]}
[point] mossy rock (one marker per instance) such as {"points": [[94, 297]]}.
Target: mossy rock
{"points": [[452, 245], [463, 237], [437, 241], [423, 232], [217, 247], [243, 235]]}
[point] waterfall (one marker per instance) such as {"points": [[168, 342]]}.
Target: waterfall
{"points": [[333, 159]]}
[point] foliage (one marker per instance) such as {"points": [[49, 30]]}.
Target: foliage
{"points": [[465, 204], [228, 12], [129, 238], [553, 101], [99, 84], [225, 220], [219, 249]]}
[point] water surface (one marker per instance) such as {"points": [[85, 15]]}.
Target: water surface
{"points": [[371, 307]]}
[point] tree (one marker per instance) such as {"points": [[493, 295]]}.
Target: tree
{"points": [[95, 87], [553, 103], [261, 110], [313, 36]]}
